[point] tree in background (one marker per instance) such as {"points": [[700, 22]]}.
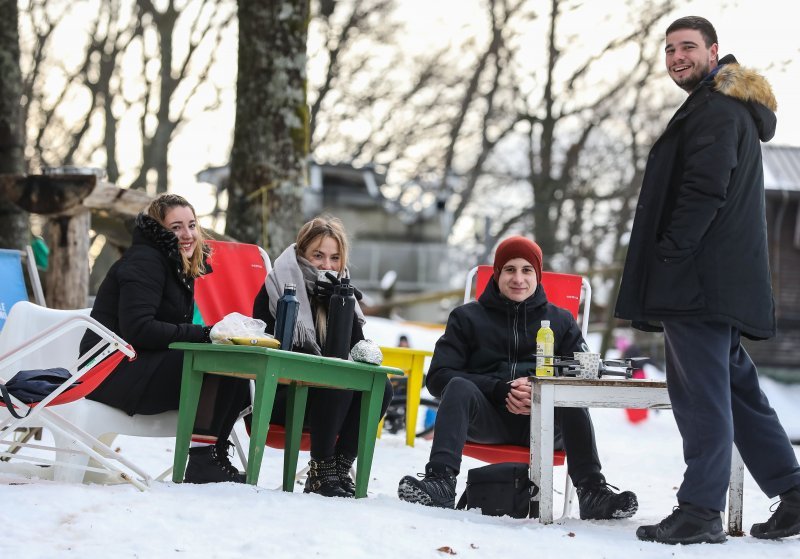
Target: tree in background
{"points": [[270, 139], [524, 126], [14, 227], [510, 129], [136, 69]]}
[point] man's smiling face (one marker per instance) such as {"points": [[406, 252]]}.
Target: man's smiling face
{"points": [[688, 59]]}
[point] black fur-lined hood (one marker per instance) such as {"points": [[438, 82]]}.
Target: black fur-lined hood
{"points": [[752, 89]]}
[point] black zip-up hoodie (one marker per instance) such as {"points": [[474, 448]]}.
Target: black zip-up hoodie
{"points": [[493, 340]]}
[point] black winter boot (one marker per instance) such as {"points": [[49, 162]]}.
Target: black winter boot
{"points": [[784, 522], [210, 464], [224, 453], [686, 525], [344, 464], [437, 488], [323, 479], [598, 502]]}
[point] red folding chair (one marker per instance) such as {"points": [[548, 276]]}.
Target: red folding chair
{"points": [[563, 290], [238, 272]]}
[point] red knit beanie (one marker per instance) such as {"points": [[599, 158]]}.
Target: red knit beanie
{"points": [[518, 247]]}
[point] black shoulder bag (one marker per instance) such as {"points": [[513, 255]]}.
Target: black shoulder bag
{"points": [[501, 490], [32, 386]]}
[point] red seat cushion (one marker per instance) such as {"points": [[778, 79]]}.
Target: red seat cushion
{"points": [[495, 453]]}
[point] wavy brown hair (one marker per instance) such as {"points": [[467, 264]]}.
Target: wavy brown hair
{"points": [[193, 266], [320, 227]]}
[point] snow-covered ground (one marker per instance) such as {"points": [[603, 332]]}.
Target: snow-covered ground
{"points": [[47, 519]]}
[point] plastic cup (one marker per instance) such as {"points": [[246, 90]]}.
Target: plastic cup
{"points": [[589, 364]]}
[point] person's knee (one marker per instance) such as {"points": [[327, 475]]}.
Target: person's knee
{"points": [[460, 393], [459, 388]]}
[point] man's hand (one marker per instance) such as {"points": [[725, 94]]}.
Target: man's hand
{"points": [[518, 400]]}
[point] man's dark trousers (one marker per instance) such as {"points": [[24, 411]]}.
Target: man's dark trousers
{"points": [[716, 400], [466, 414]]}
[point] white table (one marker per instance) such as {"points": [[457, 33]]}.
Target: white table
{"points": [[548, 393]]}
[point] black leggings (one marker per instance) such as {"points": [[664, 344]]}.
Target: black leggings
{"points": [[332, 417], [221, 398]]}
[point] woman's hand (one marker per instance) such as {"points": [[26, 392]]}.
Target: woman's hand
{"points": [[324, 289]]}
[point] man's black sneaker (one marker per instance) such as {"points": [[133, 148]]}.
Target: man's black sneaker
{"points": [[437, 488], [785, 520], [323, 480], [598, 501], [209, 464], [344, 464], [686, 525]]}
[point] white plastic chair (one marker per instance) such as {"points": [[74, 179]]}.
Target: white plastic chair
{"points": [[82, 429]]}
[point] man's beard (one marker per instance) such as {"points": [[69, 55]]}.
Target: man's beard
{"points": [[690, 82]]}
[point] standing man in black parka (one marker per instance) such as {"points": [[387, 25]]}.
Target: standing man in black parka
{"points": [[698, 267], [480, 370]]}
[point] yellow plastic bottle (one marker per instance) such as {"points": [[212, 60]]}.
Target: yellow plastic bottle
{"points": [[545, 341]]}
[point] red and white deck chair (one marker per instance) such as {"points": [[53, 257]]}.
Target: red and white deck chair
{"points": [[238, 273], [31, 332], [563, 290]]}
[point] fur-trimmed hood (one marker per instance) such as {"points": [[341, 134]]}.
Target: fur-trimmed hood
{"points": [[751, 88], [160, 236], [149, 230]]}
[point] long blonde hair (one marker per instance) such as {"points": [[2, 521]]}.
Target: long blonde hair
{"points": [[193, 266], [320, 227]]}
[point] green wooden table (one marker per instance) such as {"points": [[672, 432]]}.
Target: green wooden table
{"points": [[268, 368]]}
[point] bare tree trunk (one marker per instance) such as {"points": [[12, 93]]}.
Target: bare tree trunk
{"points": [[270, 142], [68, 270], [14, 228]]}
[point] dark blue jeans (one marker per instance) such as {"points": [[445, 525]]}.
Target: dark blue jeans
{"points": [[716, 399]]}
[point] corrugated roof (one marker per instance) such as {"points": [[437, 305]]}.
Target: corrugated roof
{"points": [[781, 167]]}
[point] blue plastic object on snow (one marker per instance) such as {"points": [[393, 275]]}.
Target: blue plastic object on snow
{"points": [[12, 283]]}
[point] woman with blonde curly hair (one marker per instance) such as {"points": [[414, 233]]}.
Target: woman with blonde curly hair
{"points": [[147, 298]]}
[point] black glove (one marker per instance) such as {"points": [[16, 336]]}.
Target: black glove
{"points": [[324, 289], [206, 335]]}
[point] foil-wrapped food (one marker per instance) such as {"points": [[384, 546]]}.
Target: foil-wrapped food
{"points": [[367, 351]]}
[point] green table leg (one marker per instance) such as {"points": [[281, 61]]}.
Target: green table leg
{"points": [[191, 382], [262, 412], [295, 413], [370, 412]]}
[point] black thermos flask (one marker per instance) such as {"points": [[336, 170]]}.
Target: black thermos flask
{"points": [[340, 321], [286, 316]]}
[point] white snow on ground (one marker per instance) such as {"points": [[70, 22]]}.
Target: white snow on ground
{"points": [[47, 519]]}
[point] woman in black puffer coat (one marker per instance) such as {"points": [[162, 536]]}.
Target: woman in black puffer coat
{"points": [[147, 298]]}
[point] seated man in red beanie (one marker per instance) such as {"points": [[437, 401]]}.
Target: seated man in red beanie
{"points": [[479, 370]]}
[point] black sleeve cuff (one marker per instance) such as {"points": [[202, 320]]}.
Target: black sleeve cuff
{"points": [[499, 393]]}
